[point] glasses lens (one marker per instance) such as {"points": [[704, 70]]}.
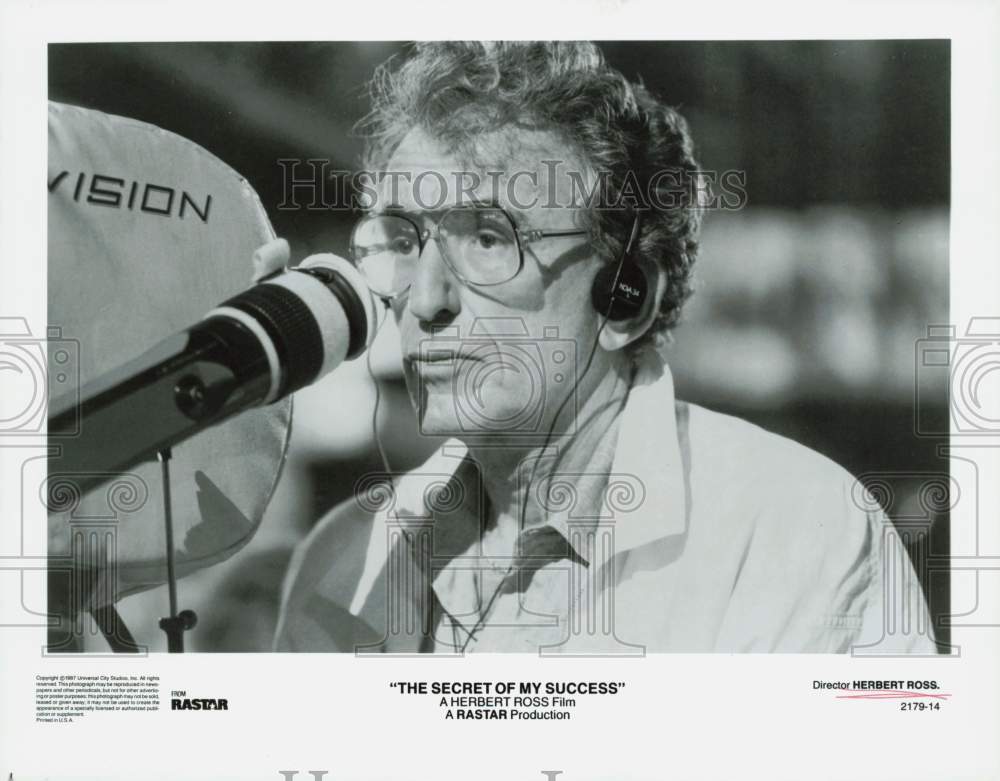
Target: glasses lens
{"points": [[481, 244], [386, 249]]}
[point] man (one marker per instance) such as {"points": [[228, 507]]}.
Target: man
{"points": [[533, 230]]}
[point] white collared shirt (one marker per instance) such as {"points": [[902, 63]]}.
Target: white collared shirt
{"points": [[714, 536]]}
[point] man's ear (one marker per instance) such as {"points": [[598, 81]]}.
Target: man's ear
{"points": [[618, 334]]}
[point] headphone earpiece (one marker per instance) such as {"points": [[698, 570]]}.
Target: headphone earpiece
{"points": [[619, 294], [620, 290]]}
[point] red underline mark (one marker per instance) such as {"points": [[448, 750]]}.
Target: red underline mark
{"points": [[889, 694]]}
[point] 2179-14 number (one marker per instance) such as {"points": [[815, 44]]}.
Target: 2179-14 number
{"points": [[920, 706]]}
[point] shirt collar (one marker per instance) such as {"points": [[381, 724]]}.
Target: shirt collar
{"points": [[649, 453], [646, 493]]}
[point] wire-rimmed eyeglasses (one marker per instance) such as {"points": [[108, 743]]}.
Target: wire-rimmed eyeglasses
{"points": [[482, 245]]}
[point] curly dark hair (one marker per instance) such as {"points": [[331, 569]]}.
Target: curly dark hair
{"points": [[458, 90]]}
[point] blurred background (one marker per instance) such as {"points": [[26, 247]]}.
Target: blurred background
{"points": [[811, 301]]}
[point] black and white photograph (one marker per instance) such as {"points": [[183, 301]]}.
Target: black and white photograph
{"points": [[637, 368], [632, 328]]}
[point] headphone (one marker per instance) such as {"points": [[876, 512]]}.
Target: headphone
{"points": [[619, 290]]}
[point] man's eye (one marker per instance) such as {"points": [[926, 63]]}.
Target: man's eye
{"points": [[402, 245], [488, 240]]}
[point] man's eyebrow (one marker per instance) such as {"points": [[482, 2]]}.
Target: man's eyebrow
{"points": [[396, 209], [473, 201], [413, 215], [482, 203]]}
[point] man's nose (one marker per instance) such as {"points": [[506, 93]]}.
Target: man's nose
{"points": [[433, 295]]}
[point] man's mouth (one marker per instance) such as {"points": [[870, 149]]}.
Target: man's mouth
{"points": [[442, 356]]}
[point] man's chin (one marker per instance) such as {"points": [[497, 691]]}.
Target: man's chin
{"points": [[438, 416], [442, 416]]}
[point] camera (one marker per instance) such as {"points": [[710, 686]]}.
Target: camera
{"points": [[502, 378], [30, 379], [966, 370]]}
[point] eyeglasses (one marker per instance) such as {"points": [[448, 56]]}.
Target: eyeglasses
{"points": [[480, 244]]}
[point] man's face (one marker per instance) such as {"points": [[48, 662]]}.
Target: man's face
{"points": [[501, 359]]}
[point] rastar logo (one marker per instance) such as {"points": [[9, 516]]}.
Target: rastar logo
{"points": [[199, 704]]}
